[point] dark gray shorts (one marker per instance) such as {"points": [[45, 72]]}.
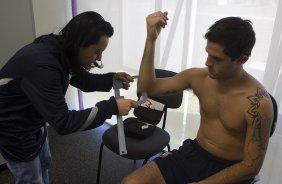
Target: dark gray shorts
{"points": [[191, 163]]}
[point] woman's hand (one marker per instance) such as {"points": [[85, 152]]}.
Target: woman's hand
{"points": [[125, 78], [125, 105]]}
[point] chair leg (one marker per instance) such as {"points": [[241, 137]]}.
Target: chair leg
{"points": [[168, 148], [145, 161], [100, 163]]}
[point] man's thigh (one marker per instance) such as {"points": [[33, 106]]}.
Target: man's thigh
{"points": [[148, 174]]}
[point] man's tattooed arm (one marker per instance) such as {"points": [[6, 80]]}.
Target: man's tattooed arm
{"points": [[259, 124], [259, 118]]}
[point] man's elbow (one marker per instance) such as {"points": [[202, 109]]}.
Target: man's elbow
{"points": [[251, 169], [253, 173], [141, 87], [147, 89], [150, 93]]}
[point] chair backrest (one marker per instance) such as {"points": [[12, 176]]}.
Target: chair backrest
{"points": [[170, 101], [275, 114]]}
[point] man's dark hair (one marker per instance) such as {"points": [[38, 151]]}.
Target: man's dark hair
{"points": [[235, 35]]}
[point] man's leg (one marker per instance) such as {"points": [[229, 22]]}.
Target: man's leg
{"points": [[148, 174]]}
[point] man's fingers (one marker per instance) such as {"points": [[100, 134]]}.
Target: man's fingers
{"points": [[160, 21], [159, 15], [163, 23]]}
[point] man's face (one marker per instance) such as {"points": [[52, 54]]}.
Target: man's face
{"points": [[89, 55], [220, 65]]}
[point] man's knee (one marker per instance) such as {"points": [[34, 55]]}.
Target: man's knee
{"points": [[149, 173], [128, 180]]}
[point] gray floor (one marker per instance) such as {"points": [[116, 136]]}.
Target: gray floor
{"points": [[75, 159]]}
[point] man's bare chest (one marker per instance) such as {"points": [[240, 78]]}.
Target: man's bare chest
{"points": [[229, 110]]}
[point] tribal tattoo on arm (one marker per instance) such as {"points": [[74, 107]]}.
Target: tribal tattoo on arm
{"points": [[259, 122]]}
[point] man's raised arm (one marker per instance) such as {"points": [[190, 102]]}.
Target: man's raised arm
{"points": [[147, 79]]}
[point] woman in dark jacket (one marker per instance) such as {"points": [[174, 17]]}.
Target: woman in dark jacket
{"points": [[33, 84]]}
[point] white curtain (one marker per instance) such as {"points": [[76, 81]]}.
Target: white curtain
{"points": [[272, 79]]}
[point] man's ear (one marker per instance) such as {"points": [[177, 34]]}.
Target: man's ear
{"points": [[242, 59]]}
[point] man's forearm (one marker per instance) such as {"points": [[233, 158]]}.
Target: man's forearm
{"points": [[146, 72], [233, 174]]}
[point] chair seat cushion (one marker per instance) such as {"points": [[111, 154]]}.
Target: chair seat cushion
{"points": [[137, 148]]}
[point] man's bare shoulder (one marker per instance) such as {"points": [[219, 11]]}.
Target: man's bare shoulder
{"points": [[192, 76], [196, 71], [258, 99], [253, 86]]}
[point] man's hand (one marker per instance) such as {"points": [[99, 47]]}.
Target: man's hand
{"points": [[124, 77], [155, 22], [125, 105]]}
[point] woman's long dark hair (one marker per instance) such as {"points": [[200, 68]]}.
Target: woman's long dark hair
{"points": [[81, 31]]}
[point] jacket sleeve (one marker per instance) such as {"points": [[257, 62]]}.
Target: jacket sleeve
{"points": [[89, 82], [44, 88]]}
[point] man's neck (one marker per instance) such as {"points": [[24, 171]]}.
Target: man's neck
{"points": [[236, 80]]}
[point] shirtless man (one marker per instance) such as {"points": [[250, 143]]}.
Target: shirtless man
{"points": [[236, 111]]}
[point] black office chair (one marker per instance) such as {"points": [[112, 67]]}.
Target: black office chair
{"points": [[139, 149], [275, 114], [273, 126]]}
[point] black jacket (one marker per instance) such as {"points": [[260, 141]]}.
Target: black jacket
{"points": [[33, 84]]}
